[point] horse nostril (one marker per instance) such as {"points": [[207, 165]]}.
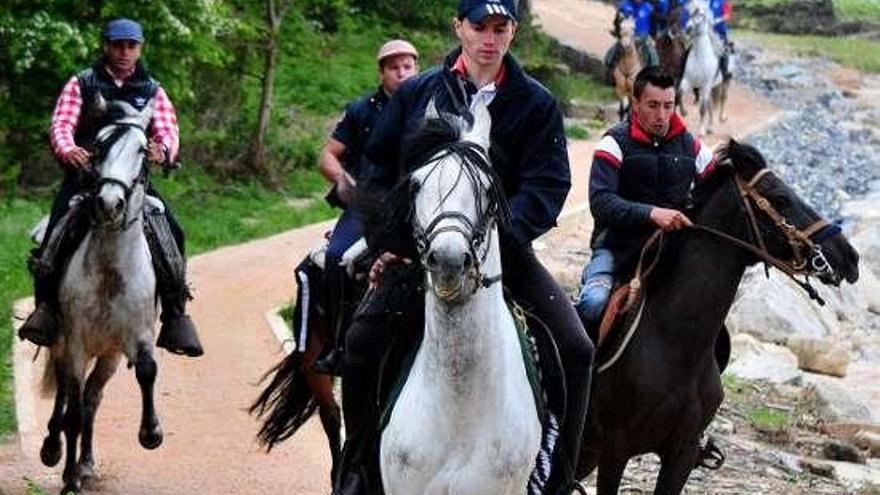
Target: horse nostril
{"points": [[120, 205], [467, 261], [431, 261]]}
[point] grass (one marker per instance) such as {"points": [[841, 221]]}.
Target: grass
{"points": [[856, 53], [576, 131], [16, 218], [767, 419], [858, 10]]}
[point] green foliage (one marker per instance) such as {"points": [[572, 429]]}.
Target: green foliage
{"points": [[576, 132], [16, 218], [858, 10], [767, 419], [857, 53]]}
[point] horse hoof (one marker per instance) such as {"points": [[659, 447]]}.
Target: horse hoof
{"points": [[87, 472], [150, 438], [50, 452], [73, 488]]}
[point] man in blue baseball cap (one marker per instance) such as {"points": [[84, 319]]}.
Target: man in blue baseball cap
{"points": [[529, 153], [117, 75]]}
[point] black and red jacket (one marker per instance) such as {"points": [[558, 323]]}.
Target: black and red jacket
{"points": [[633, 172]]}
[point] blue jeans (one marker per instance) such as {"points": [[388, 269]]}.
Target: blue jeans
{"points": [[348, 229], [597, 280]]}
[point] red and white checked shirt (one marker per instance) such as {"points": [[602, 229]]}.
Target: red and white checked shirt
{"points": [[66, 116]]}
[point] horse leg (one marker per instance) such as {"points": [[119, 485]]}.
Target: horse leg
{"points": [[676, 468], [683, 87], [50, 452], [331, 416], [104, 369], [610, 474], [705, 114], [150, 434], [73, 423]]}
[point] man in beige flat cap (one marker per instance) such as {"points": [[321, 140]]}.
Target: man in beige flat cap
{"points": [[340, 163]]}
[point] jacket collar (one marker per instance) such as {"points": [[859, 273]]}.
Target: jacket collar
{"points": [[514, 78], [676, 128]]}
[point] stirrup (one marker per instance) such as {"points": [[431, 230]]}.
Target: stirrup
{"points": [[711, 456]]}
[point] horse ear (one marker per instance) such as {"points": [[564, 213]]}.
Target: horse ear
{"points": [[100, 104], [431, 112], [479, 131]]}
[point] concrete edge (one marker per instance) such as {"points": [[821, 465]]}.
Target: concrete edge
{"points": [[280, 329], [23, 364]]}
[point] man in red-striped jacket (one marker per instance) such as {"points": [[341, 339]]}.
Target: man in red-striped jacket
{"points": [[118, 75], [641, 179]]}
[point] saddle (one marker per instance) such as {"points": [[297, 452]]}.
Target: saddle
{"points": [[623, 311]]}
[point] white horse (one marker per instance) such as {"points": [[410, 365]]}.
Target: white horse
{"points": [[702, 70], [465, 422], [107, 300]]}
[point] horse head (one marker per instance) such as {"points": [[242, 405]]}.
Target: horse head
{"points": [[784, 225], [119, 162], [627, 34], [455, 201]]}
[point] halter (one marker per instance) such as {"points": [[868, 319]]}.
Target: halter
{"points": [[103, 147], [476, 234], [800, 240], [808, 258]]}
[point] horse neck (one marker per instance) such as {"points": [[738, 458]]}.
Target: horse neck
{"points": [[706, 275], [465, 345]]}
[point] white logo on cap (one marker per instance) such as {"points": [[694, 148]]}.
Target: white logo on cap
{"points": [[139, 101]]}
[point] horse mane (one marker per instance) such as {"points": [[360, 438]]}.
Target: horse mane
{"points": [[387, 216]]}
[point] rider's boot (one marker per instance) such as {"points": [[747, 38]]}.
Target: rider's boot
{"points": [[178, 332], [330, 362], [41, 327]]}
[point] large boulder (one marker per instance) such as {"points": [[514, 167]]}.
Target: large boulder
{"points": [[835, 402], [774, 310], [824, 356], [867, 242], [753, 360]]}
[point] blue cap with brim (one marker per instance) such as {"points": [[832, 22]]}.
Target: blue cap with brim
{"points": [[476, 11], [123, 30]]}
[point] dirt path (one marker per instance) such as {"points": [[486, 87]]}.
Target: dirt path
{"points": [[209, 439]]}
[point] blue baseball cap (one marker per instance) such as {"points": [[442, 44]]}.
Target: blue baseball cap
{"points": [[123, 29], [476, 11]]}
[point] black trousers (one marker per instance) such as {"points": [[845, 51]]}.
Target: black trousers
{"points": [[534, 288], [75, 182]]}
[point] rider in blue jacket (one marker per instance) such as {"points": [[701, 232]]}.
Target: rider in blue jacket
{"points": [[721, 10], [641, 12]]}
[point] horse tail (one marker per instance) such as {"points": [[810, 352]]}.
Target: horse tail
{"points": [[49, 383], [286, 403]]}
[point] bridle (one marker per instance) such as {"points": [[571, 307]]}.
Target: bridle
{"points": [[808, 259], [103, 146], [476, 233]]}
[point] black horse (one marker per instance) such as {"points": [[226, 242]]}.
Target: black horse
{"points": [[665, 388]]}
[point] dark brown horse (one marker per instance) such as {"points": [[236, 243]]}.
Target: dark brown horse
{"points": [[671, 50], [296, 391], [665, 388]]}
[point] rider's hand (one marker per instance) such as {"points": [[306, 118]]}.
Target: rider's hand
{"points": [[383, 261], [345, 191], [156, 152], [77, 158], [670, 220]]}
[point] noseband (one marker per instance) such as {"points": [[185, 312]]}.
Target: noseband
{"points": [[473, 160], [103, 147], [805, 243]]}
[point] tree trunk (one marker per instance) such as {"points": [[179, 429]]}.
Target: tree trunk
{"points": [[525, 8], [257, 159]]}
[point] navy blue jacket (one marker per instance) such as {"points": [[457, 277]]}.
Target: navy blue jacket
{"points": [[356, 126], [632, 173], [528, 146], [137, 91]]}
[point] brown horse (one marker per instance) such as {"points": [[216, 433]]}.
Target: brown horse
{"points": [[671, 50], [296, 391], [660, 392], [628, 65]]}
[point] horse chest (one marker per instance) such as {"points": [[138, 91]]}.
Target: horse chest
{"points": [[431, 446]]}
